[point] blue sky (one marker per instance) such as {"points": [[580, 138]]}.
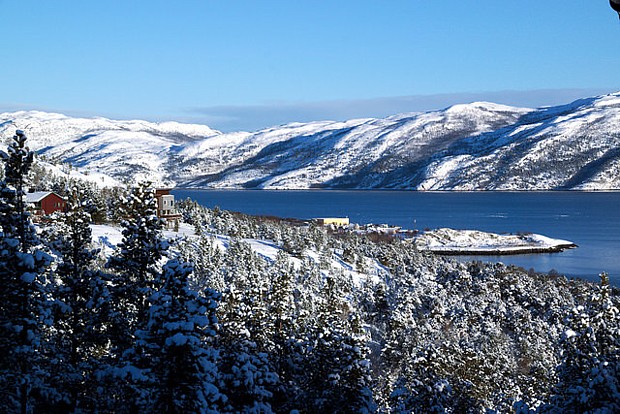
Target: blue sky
{"points": [[249, 64]]}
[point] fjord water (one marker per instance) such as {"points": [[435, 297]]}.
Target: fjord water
{"points": [[589, 219]]}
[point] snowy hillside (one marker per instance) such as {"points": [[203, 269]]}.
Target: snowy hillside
{"points": [[477, 146], [356, 153], [125, 150]]}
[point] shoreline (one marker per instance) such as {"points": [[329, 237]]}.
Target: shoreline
{"points": [[507, 251], [451, 242], [395, 190]]}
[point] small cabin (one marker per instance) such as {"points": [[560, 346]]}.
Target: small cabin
{"points": [[336, 221], [45, 202], [165, 206]]}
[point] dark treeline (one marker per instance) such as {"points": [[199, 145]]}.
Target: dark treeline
{"points": [[204, 324]]}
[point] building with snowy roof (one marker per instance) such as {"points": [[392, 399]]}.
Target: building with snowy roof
{"points": [[45, 202]]}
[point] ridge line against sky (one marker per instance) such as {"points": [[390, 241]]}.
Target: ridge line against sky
{"points": [[234, 118], [253, 117], [246, 65]]}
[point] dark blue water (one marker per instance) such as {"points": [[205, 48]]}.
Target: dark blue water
{"points": [[591, 220]]}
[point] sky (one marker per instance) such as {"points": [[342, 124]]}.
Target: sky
{"points": [[250, 64]]}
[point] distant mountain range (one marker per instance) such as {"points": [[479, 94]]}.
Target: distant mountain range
{"points": [[477, 146]]}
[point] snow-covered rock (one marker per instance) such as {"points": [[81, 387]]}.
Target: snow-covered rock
{"points": [[450, 241]]}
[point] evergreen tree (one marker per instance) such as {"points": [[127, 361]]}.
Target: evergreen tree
{"points": [[292, 242], [590, 368], [338, 368], [137, 261], [137, 274], [244, 305], [207, 260], [285, 334], [281, 307], [422, 388], [606, 321], [178, 344], [79, 295], [24, 307], [246, 370], [579, 357]]}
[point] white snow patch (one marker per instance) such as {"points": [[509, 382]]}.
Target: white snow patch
{"points": [[438, 173], [472, 241]]}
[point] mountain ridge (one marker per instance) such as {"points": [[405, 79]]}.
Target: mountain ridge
{"points": [[465, 147]]}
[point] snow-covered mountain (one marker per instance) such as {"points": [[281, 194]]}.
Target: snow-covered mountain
{"points": [[126, 150], [477, 146]]}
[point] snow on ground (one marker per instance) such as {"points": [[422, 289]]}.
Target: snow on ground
{"points": [[438, 172], [264, 248], [440, 241], [185, 230], [99, 179], [106, 237], [450, 241]]}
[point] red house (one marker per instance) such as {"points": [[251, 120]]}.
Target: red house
{"points": [[45, 202]]}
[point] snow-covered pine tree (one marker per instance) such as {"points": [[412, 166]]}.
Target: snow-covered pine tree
{"points": [[293, 242], [245, 273], [606, 323], [207, 260], [80, 294], [136, 275], [606, 319], [136, 262], [579, 356], [423, 388], [309, 285], [93, 202], [18, 163], [245, 367], [338, 369], [590, 367], [24, 304], [178, 346], [285, 335], [280, 301]]}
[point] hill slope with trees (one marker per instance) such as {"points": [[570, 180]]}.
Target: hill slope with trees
{"points": [[328, 324]]}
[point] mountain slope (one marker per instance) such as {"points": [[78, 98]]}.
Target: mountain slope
{"points": [[352, 153], [569, 147], [122, 149], [478, 146]]}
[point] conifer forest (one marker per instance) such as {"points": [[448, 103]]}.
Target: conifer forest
{"points": [[182, 325]]}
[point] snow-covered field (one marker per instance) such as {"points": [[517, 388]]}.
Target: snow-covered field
{"points": [[450, 241]]}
